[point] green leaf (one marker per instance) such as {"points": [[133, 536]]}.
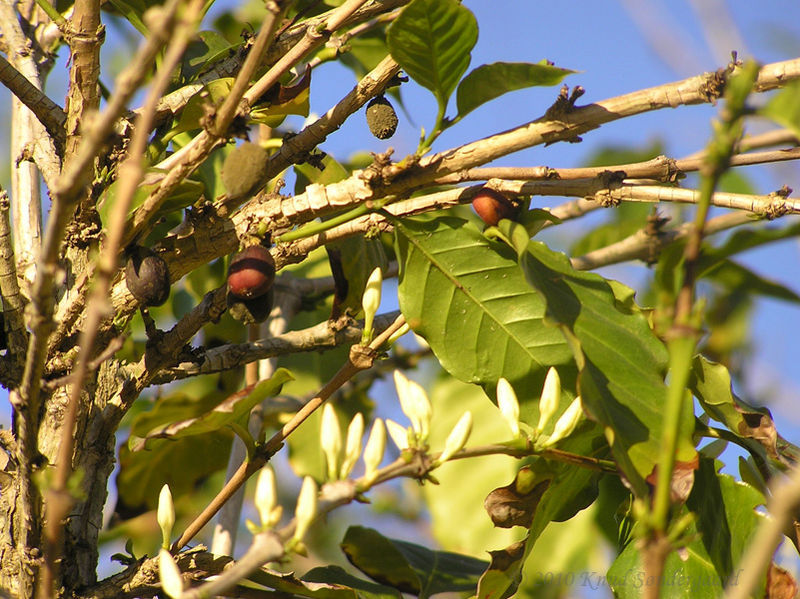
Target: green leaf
{"points": [[205, 48], [733, 275], [467, 297], [625, 220], [458, 520], [784, 107], [725, 525], [132, 10], [329, 582], [185, 194], [504, 572], [432, 40], [365, 52], [490, 81], [408, 567], [711, 384], [234, 408], [745, 239], [621, 361], [363, 589], [180, 463], [564, 557]]}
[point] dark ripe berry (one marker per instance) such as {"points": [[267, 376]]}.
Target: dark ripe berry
{"points": [[492, 206], [244, 170], [251, 273], [381, 118], [147, 276], [251, 311]]}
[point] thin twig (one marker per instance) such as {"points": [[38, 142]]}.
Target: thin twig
{"points": [[230, 106], [684, 330], [296, 146], [197, 150], [645, 245], [51, 115], [312, 339], [571, 123], [662, 168]]}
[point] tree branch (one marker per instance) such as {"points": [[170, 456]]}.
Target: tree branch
{"points": [[58, 499], [565, 125], [50, 114], [173, 103], [646, 245], [13, 302], [83, 96], [197, 150], [319, 337], [215, 237], [293, 148]]}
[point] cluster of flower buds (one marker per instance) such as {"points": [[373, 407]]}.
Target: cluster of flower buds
{"points": [[548, 407], [415, 404], [340, 459]]}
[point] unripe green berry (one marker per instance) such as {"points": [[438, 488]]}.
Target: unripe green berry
{"points": [[244, 170], [381, 118]]}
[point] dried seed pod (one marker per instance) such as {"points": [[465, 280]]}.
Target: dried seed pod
{"points": [[251, 311], [147, 276], [251, 273], [381, 118], [492, 206], [244, 169]]}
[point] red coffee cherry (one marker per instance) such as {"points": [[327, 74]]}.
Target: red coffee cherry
{"points": [[251, 273], [492, 206]]}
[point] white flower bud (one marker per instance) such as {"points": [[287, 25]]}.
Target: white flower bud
{"points": [[266, 498], [169, 574], [306, 509], [551, 395], [370, 302], [415, 404], [508, 404], [373, 451], [567, 423], [331, 440], [352, 447], [165, 515], [457, 437], [398, 433]]}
